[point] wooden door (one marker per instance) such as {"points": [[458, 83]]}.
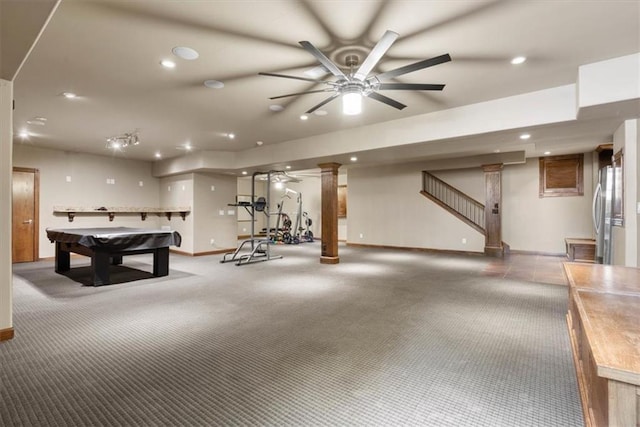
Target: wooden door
{"points": [[25, 214]]}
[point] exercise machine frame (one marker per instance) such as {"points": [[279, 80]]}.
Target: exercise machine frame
{"points": [[260, 247]]}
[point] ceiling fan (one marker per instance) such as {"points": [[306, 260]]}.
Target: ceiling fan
{"points": [[358, 83]]}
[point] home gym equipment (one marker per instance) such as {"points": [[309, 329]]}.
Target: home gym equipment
{"points": [[301, 234], [307, 236], [256, 249]]}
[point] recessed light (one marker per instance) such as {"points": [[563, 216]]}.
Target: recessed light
{"points": [[518, 60], [304, 117], [525, 136], [187, 147], [158, 156], [354, 159], [287, 167], [213, 84], [320, 113], [244, 172], [276, 107], [166, 63], [35, 122], [546, 153], [185, 53], [231, 135], [69, 95], [259, 142], [497, 150], [24, 134]]}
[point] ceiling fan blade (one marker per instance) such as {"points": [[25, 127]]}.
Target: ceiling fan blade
{"points": [[301, 93], [376, 53], [326, 101], [294, 77], [410, 86], [333, 68], [386, 100], [414, 67]]}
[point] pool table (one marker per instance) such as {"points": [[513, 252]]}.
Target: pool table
{"points": [[109, 245]]}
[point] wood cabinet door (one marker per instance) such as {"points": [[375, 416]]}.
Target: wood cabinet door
{"points": [[25, 215]]}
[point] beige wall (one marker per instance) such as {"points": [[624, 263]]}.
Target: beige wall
{"points": [[536, 224], [6, 146], [214, 221], [385, 207], [176, 191], [88, 187], [210, 218], [342, 222]]}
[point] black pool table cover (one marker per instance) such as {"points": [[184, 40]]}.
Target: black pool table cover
{"points": [[109, 245], [123, 238]]}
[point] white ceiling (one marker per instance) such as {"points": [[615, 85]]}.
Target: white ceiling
{"points": [[108, 52]]}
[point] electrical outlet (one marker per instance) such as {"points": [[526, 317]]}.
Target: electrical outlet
{"points": [[213, 241], [361, 235], [464, 240], [213, 188], [141, 184], [68, 178]]}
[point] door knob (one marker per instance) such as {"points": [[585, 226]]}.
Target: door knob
{"points": [[29, 221]]}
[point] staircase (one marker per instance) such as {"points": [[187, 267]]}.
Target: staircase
{"points": [[463, 207], [468, 210]]}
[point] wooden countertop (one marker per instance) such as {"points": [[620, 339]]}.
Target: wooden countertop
{"points": [[612, 326], [608, 300], [603, 278]]}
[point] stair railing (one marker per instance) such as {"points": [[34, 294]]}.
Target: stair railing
{"points": [[453, 200]]}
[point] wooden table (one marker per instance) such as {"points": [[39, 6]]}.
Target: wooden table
{"points": [[604, 325], [580, 250]]}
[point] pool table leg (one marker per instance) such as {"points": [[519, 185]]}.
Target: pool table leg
{"points": [[63, 259], [100, 267], [161, 262]]}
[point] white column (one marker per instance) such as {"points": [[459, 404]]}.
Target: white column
{"points": [[6, 151], [625, 239]]}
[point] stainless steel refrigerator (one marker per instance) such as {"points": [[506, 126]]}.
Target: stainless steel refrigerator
{"points": [[602, 208]]}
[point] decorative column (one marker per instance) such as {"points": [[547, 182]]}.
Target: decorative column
{"points": [[6, 191], [329, 192], [492, 208]]}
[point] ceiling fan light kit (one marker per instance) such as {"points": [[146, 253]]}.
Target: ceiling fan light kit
{"points": [[351, 102], [358, 83]]}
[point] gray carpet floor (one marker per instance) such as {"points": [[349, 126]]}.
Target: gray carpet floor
{"points": [[383, 338]]}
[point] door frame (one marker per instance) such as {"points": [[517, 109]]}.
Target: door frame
{"points": [[36, 208]]}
